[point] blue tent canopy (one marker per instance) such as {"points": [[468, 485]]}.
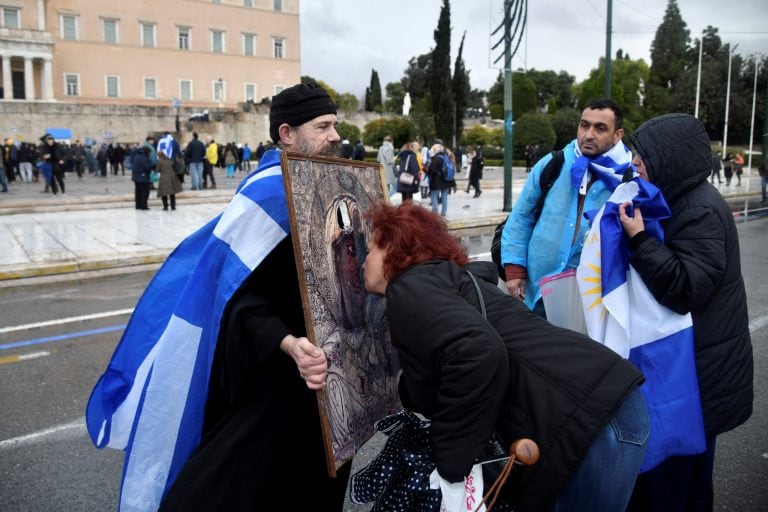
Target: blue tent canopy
{"points": [[60, 133]]}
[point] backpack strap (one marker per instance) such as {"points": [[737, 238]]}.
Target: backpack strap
{"points": [[549, 175]]}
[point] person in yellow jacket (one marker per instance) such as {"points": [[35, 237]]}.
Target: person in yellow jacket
{"points": [[211, 159]]}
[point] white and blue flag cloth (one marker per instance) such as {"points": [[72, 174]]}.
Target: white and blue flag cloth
{"points": [[150, 401], [609, 167], [622, 314], [166, 145]]}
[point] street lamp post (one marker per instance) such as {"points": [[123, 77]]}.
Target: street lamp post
{"points": [[698, 78], [752, 125], [727, 101]]}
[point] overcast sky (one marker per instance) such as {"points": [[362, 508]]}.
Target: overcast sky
{"points": [[342, 40]]}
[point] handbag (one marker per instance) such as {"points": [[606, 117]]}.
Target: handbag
{"points": [[154, 176], [405, 177]]}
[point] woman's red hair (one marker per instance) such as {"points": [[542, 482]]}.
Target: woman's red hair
{"points": [[411, 234]]}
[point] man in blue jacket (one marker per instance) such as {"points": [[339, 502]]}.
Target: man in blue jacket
{"points": [[537, 244]]}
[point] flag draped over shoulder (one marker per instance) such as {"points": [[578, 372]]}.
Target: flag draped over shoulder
{"points": [[166, 145], [150, 400], [622, 314]]}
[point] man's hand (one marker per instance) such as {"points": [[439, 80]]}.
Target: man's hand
{"points": [[310, 360], [516, 288], [631, 225]]}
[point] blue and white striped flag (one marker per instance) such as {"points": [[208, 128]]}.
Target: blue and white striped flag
{"points": [[166, 145], [150, 401], [622, 313]]}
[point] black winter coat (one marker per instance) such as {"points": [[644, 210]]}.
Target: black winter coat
{"points": [[698, 268], [513, 373]]}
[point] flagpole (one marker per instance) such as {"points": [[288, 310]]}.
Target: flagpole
{"points": [[752, 125], [698, 77], [727, 101]]}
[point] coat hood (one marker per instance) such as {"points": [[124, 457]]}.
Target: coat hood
{"points": [[675, 149]]}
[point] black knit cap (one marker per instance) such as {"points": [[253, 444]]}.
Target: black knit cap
{"points": [[297, 105]]}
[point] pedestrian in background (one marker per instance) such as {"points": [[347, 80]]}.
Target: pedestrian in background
{"points": [[386, 157], [476, 170], [717, 165], [763, 171], [439, 186], [409, 167], [738, 164], [168, 185], [53, 155], [211, 159], [195, 154], [25, 163], [359, 153], [140, 174], [246, 158], [230, 159], [728, 169]]}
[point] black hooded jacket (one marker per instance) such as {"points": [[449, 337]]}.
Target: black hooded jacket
{"points": [[513, 373], [698, 269]]}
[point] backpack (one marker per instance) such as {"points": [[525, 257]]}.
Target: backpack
{"points": [[549, 175], [448, 171]]}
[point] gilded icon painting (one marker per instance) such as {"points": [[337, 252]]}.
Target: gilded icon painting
{"points": [[327, 201]]}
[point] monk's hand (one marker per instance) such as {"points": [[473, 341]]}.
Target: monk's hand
{"points": [[309, 358]]}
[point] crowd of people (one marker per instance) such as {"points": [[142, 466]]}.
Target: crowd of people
{"points": [[485, 365], [51, 161]]}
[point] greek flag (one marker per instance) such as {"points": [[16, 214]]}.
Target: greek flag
{"points": [[166, 145], [150, 400], [622, 314]]}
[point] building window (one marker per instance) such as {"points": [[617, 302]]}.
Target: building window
{"points": [[216, 1], [219, 89], [185, 89], [250, 92], [110, 31], [247, 3], [69, 27], [277, 5], [11, 17], [113, 87], [72, 84], [183, 38], [148, 35], [150, 88], [278, 45], [249, 45], [217, 41]]}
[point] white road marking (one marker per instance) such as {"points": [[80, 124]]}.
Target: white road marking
{"points": [[65, 431], [758, 323], [93, 316]]}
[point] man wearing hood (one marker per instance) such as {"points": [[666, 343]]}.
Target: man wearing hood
{"points": [[695, 270], [53, 154]]}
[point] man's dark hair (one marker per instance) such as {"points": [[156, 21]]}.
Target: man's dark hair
{"points": [[194, 135], [608, 103], [149, 138]]}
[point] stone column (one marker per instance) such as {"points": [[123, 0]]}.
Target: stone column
{"points": [[29, 83], [41, 15], [47, 80], [7, 83]]}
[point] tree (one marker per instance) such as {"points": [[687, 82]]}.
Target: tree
{"points": [[552, 86], [461, 89], [523, 95], [668, 58], [416, 77], [347, 102], [440, 77], [373, 101], [565, 122], [477, 135], [348, 131], [627, 89], [395, 95], [401, 129], [532, 129]]}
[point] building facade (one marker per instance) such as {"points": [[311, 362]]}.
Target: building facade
{"points": [[193, 53]]}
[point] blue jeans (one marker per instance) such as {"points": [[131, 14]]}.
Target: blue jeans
{"points": [[443, 197], [606, 476], [196, 172]]}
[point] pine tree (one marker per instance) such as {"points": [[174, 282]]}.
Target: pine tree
{"points": [[668, 59], [461, 90], [440, 77], [373, 101]]}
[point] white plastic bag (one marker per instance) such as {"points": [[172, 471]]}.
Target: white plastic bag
{"points": [[460, 496]]}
